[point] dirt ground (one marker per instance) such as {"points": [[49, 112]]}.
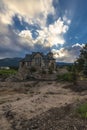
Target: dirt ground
{"points": [[40, 105]]}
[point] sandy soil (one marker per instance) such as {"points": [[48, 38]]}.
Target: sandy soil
{"points": [[23, 101]]}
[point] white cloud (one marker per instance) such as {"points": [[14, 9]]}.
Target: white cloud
{"points": [[6, 18], [48, 36], [78, 45], [68, 54], [59, 27], [65, 19], [25, 34], [53, 34], [30, 10]]}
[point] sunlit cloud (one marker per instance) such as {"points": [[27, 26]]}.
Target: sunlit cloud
{"points": [[48, 36], [68, 54], [78, 45], [33, 11]]}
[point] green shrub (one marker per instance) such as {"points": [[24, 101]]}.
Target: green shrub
{"points": [[8, 72], [69, 68], [70, 77], [85, 69], [82, 110]]}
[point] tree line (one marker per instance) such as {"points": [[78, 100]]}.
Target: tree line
{"points": [[81, 62]]}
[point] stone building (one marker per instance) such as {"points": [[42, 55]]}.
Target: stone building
{"points": [[38, 60]]}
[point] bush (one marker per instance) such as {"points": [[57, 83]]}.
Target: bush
{"points": [[69, 68], [70, 77], [85, 69], [7, 72], [82, 110]]}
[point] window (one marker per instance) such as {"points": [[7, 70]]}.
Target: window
{"points": [[38, 61]]}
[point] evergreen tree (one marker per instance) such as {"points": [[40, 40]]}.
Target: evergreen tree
{"points": [[85, 68], [82, 60]]}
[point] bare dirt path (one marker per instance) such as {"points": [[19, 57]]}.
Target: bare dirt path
{"points": [[25, 100]]}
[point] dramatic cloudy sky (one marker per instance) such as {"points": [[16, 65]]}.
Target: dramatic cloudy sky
{"points": [[43, 25]]}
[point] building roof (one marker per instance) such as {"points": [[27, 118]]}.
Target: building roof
{"points": [[29, 57], [34, 53]]}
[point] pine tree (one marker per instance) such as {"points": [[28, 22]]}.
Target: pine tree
{"points": [[82, 60], [85, 68]]}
